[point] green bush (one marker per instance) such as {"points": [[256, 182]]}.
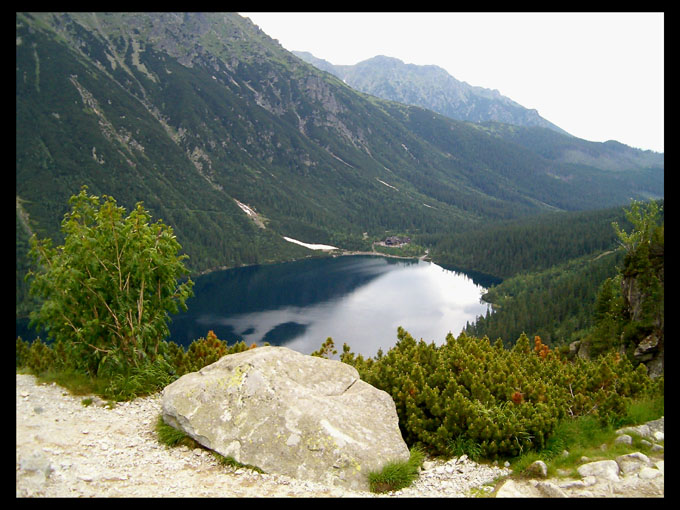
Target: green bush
{"points": [[201, 352], [118, 381], [470, 396], [107, 292]]}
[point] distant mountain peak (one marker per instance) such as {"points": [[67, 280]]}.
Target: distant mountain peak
{"points": [[431, 87]]}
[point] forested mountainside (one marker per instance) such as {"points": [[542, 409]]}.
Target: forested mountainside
{"points": [[236, 142], [431, 87]]}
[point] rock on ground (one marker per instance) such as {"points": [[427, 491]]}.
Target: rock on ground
{"points": [[288, 413], [65, 449]]}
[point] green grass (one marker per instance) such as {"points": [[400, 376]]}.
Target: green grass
{"points": [[643, 410], [75, 382], [464, 446], [172, 437], [397, 475], [585, 436]]}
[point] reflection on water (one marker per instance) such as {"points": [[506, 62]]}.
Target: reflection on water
{"points": [[358, 300]]}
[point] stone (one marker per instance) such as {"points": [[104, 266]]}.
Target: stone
{"points": [[647, 348], [632, 462], [537, 469], [641, 430], [647, 473], [573, 484], [550, 490], [37, 462], [513, 489], [624, 439], [602, 469], [290, 414]]}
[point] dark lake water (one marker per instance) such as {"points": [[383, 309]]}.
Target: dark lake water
{"points": [[358, 300]]}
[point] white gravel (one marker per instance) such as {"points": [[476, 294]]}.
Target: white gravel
{"points": [[66, 449]]}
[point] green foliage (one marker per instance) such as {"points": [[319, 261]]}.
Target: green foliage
{"points": [[527, 245], [469, 395], [555, 304], [462, 445], [171, 437], [51, 363], [200, 353], [326, 350], [630, 306], [37, 356], [139, 380], [397, 475], [107, 291], [641, 410], [645, 219], [585, 435]]}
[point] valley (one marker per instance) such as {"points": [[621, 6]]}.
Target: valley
{"points": [[500, 279], [241, 147]]}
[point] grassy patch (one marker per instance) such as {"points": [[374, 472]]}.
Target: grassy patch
{"points": [[464, 446], [397, 475], [585, 436], [643, 410], [75, 382], [172, 437], [231, 461]]}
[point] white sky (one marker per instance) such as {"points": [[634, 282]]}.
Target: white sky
{"points": [[598, 76]]}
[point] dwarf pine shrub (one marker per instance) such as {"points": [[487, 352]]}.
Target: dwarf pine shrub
{"points": [[201, 352], [118, 381], [493, 401]]}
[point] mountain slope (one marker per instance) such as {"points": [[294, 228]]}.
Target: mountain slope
{"points": [[205, 118], [431, 87]]}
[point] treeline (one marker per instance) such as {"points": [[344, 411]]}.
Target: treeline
{"points": [[582, 296], [556, 304], [505, 249]]}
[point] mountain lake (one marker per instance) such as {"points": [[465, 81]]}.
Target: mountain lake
{"points": [[360, 300]]}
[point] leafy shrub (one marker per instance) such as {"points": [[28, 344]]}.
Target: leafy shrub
{"points": [[117, 381], [140, 380], [472, 396], [107, 291]]}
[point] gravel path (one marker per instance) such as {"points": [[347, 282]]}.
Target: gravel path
{"points": [[66, 449]]}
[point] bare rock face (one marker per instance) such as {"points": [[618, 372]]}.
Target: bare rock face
{"points": [[289, 413]]}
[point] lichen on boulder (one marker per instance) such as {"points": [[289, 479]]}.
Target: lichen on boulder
{"points": [[288, 413]]}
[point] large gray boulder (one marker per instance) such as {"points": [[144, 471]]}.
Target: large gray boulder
{"points": [[288, 413]]}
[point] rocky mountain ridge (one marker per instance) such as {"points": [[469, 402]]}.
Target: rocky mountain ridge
{"points": [[433, 88]]}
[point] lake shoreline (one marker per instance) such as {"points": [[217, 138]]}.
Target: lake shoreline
{"points": [[340, 252]]}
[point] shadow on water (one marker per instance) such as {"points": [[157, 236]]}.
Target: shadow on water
{"points": [[225, 294], [358, 299]]}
